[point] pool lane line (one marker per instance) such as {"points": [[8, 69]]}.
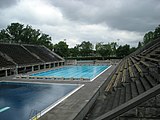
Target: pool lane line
{"points": [[100, 73], [4, 109]]}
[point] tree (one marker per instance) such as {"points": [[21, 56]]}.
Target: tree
{"points": [[139, 45], [107, 49], [157, 32], [98, 46], [132, 49], [45, 40], [104, 50], [114, 46], [31, 36], [151, 35], [99, 49], [13, 33], [123, 51], [86, 48], [74, 52], [148, 37], [4, 37], [18, 33], [61, 49]]}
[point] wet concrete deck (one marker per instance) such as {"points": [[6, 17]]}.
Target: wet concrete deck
{"points": [[77, 105]]}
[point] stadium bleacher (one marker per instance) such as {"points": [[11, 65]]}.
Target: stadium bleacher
{"points": [[24, 57], [18, 54], [135, 74], [42, 53], [5, 63]]}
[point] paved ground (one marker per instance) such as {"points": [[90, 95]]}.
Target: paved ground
{"points": [[77, 105]]}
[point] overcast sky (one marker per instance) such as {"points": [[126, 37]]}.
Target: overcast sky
{"points": [[122, 21]]}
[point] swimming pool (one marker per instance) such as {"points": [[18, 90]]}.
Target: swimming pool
{"points": [[84, 71], [22, 101]]}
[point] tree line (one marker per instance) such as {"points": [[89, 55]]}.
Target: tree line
{"points": [[86, 49], [18, 33], [151, 35]]}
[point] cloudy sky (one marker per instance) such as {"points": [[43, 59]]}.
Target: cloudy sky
{"points": [[122, 21]]}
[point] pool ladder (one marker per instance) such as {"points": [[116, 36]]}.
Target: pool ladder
{"points": [[34, 114]]}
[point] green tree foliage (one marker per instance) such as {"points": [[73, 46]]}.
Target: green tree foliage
{"points": [[4, 37], [123, 51], [148, 37], [15, 31], [100, 49], [18, 33], [151, 35], [114, 46], [98, 46], [132, 49], [74, 52], [86, 48], [104, 50], [157, 32], [139, 45], [61, 49]]}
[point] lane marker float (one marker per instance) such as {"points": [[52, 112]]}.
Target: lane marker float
{"points": [[4, 109]]}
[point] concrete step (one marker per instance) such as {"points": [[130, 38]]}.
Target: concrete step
{"points": [[145, 83], [96, 110], [105, 104], [116, 98], [128, 92], [139, 86], [110, 101], [157, 51], [122, 95], [155, 56], [151, 80], [134, 89]]}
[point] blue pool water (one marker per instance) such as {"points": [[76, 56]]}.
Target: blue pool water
{"points": [[22, 101], [85, 71]]}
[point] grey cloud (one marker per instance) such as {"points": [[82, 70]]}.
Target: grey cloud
{"points": [[108, 20], [131, 15], [7, 3]]}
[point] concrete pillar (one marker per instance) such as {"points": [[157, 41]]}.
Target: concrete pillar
{"points": [[6, 73], [24, 70], [44, 66], [50, 65], [16, 70], [32, 68], [38, 67]]}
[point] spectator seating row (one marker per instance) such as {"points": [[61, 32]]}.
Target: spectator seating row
{"points": [[134, 75], [15, 54]]}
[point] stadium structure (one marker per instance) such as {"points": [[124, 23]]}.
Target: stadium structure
{"points": [[128, 90]]}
